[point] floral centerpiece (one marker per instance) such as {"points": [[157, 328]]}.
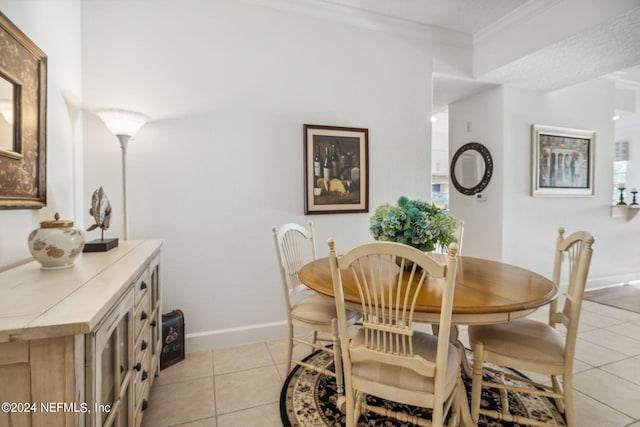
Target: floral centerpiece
{"points": [[415, 223]]}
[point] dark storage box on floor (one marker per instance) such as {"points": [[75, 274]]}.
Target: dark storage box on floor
{"points": [[172, 339]]}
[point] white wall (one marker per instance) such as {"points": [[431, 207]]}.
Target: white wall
{"points": [[229, 86], [479, 119], [55, 28], [525, 229], [573, 107]]}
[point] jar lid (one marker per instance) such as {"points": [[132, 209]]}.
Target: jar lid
{"points": [[57, 222]]}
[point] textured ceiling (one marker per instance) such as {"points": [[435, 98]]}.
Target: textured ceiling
{"points": [[611, 48]]}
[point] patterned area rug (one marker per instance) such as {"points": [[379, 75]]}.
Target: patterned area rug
{"points": [[308, 399]]}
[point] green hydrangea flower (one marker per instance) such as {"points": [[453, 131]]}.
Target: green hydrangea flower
{"points": [[413, 222]]}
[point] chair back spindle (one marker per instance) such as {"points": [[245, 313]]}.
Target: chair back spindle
{"points": [[576, 251], [295, 246]]}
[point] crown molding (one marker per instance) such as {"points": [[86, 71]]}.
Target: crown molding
{"points": [[326, 9], [622, 83], [513, 18]]}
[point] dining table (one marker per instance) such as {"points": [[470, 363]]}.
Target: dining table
{"points": [[486, 292]]}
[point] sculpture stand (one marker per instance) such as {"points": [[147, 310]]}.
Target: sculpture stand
{"points": [[101, 244]]}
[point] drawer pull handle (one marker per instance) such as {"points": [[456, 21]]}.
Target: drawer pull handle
{"points": [[143, 286], [143, 315], [144, 345], [145, 375], [153, 323], [145, 404], [137, 366]]}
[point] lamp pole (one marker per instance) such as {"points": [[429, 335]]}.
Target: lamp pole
{"points": [[124, 142]]}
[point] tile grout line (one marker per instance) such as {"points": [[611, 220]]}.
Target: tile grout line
{"points": [[215, 393], [616, 375], [606, 404]]}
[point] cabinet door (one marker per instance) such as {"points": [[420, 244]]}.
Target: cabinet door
{"points": [[109, 353], [156, 315]]}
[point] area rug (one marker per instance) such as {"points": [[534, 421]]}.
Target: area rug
{"points": [[308, 399], [626, 297]]}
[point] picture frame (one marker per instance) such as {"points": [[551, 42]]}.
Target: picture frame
{"points": [[563, 161], [336, 169], [23, 91]]}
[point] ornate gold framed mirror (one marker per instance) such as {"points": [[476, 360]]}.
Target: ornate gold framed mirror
{"points": [[23, 103]]}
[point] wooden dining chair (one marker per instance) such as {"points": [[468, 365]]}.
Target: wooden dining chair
{"points": [[307, 309], [534, 346], [386, 357]]}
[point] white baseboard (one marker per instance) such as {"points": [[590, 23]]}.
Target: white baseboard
{"points": [[607, 282], [249, 334]]}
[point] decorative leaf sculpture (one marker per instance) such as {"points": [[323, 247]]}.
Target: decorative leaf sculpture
{"points": [[100, 210]]}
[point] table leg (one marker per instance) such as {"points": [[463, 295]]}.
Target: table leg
{"points": [[465, 412], [453, 338], [454, 333]]}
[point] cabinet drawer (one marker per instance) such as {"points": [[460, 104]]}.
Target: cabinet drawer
{"points": [[142, 346], [142, 377], [141, 405], [142, 314], [142, 361], [141, 287]]}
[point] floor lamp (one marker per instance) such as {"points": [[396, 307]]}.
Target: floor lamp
{"points": [[124, 124]]}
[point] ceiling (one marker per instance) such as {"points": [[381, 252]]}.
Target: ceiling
{"points": [[465, 16], [608, 47]]}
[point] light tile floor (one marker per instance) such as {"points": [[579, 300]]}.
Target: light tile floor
{"points": [[240, 386]]}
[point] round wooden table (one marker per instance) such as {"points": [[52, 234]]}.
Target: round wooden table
{"points": [[486, 291]]}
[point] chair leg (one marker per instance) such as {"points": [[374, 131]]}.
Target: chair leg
{"points": [[290, 347], [337, 357], [555, 383], [569, 411], [437, 414], [476, 384], [350, 412]]}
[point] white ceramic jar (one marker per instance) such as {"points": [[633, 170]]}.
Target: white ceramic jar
{"points": [[56, 244]]}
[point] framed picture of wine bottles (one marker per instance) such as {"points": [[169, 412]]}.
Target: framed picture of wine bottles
{"points": [[336, 169]]}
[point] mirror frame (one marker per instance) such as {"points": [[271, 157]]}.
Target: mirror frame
{"points": [[23, 183], [15, 125], [488, 168]]}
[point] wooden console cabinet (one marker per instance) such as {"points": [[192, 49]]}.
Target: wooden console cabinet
{"points": [[81, 346]]}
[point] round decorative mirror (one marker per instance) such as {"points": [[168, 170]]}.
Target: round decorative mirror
{"points": [[471, 168]]}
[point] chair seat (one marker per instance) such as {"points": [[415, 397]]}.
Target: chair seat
{"points": [[424, 345], [318, 309], [524, 339]]}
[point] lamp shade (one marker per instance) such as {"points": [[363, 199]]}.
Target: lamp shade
{"points": [[122, 122]]}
